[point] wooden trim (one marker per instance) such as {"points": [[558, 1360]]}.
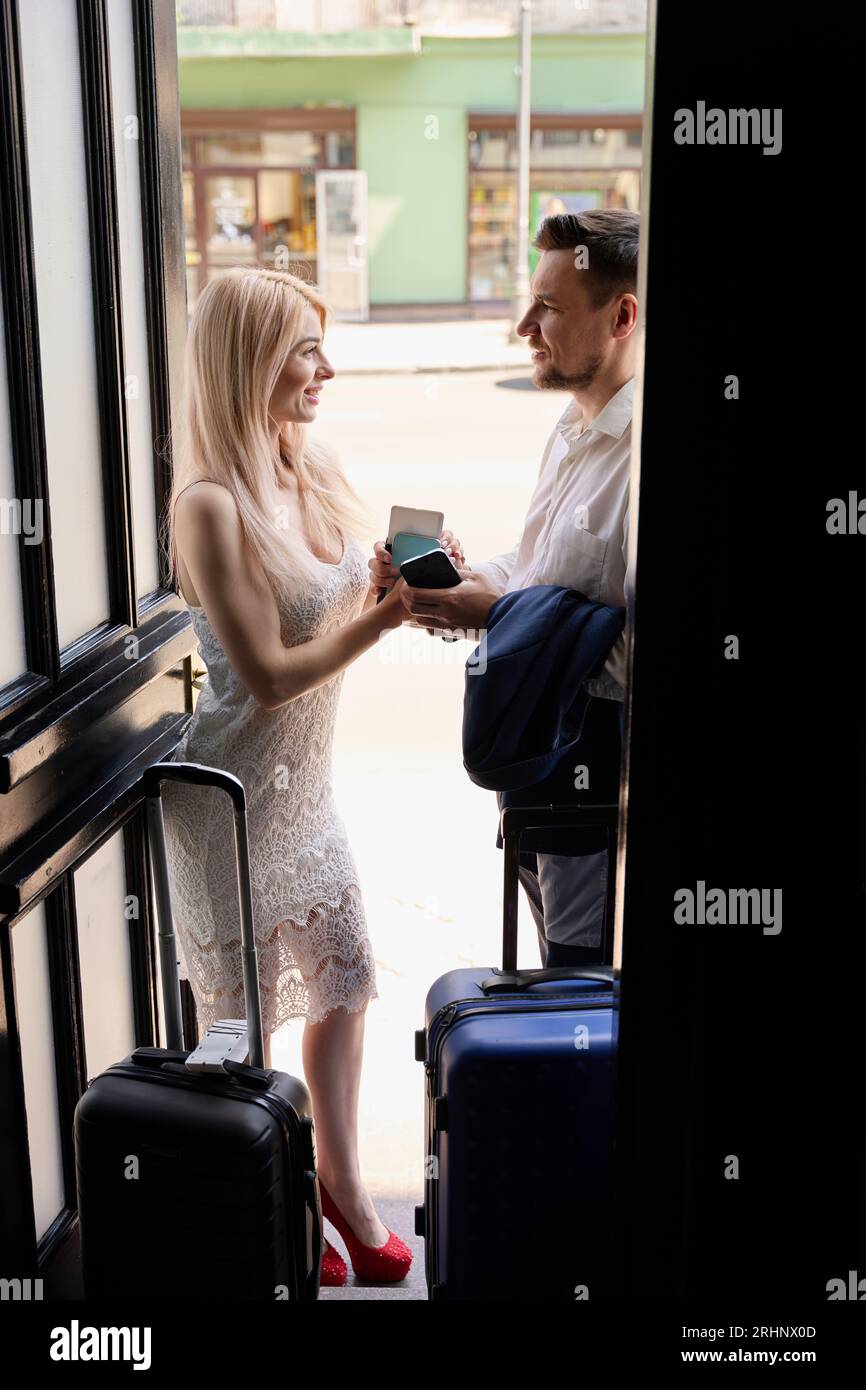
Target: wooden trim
{"points": [[107, 678], [141, 934], [24, 374], [224, 120], [51, 1244], [70, 1061], [16, 1190], [107, 310], [189, 1016], [93, 817], [164, 268]]}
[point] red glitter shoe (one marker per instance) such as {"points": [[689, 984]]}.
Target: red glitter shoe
{"points": [[383, 1264], [334, 1269]]}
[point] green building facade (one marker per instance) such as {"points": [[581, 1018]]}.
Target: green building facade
{"points": [[430, 122]]}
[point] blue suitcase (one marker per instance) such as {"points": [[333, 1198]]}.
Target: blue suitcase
{"points": [[519, 1106]]}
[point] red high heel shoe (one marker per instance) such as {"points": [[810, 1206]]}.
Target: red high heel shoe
{"points": [[334, 1269], [383, 1264]]}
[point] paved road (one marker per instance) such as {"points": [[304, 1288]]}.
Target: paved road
{"points": [[423, 835]]}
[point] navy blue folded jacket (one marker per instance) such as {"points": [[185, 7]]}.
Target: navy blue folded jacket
{"points": [[527, 721]]}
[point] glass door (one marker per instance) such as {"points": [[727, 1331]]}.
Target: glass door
{"points": [[230, 220], [341, 216]]}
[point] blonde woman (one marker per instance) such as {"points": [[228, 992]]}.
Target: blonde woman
{"points": [[281, 600]]}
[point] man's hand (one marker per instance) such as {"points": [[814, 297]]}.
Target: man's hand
{"points": [[464, 606], [383, 574]]}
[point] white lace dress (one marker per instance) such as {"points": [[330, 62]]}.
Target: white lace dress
{"points": [[311, 933]]}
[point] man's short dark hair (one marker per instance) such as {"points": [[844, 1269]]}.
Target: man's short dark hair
{"points": [[611, 238]]}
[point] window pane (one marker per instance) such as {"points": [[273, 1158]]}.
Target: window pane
{"points": [[38, 1064], [492, 221], [104, 915], [230, 149], [285, 215], [340, 149], [62, 234], [135, 343], [296, 148], [493, 149], [20, 518], [189, 211], [493, 212], [598, 148], [193, 253], [231, 215], [567, 147]]}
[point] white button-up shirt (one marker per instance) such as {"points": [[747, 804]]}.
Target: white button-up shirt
{"points": [[576, 528]]}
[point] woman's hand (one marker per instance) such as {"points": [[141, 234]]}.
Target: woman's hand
{"points": [[382, 572], [392, 610], [452, 547]]}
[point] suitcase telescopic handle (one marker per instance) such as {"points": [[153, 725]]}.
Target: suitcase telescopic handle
{"points": [[513, 822], [201, 775]]}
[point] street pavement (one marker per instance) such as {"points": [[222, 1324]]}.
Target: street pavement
{"points": [[448, 346]]}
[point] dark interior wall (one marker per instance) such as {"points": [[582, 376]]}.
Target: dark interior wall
{"points": [[79, 724], [749, 772]]}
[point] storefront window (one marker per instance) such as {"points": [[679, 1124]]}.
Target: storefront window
{"points": [[339, 149], [493, 149], [581, 149], [275, 147], [492, 225], [230, 212], [193, 253], [572, 168], [287, 215], [250, 197]]}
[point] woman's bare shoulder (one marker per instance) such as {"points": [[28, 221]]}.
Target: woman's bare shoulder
{"points": [[205, 497]]}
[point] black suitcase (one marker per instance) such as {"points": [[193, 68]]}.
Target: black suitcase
{"points": [[518, 1123], [196, 1172]]}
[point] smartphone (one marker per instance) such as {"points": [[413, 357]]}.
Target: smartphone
{"points": [[432, 570], [417, 521], [405, 546]]}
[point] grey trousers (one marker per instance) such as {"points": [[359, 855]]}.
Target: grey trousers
{"points": [[566, 896]]}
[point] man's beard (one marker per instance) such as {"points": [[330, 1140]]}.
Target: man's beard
{"points": [[552, 380]]}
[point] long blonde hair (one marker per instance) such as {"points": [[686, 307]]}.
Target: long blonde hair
{"points": [[241, 329]]}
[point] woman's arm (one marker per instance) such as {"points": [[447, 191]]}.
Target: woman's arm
{"points": [[242, 610], [370, 600]]}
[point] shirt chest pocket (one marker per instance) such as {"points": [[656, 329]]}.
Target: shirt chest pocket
{"points": [[577, 558]]}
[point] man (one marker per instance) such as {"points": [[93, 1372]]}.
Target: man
{"points": [[581, 328]]}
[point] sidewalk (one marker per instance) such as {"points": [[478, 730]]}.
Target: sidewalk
{"points": [[431, 346]]}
